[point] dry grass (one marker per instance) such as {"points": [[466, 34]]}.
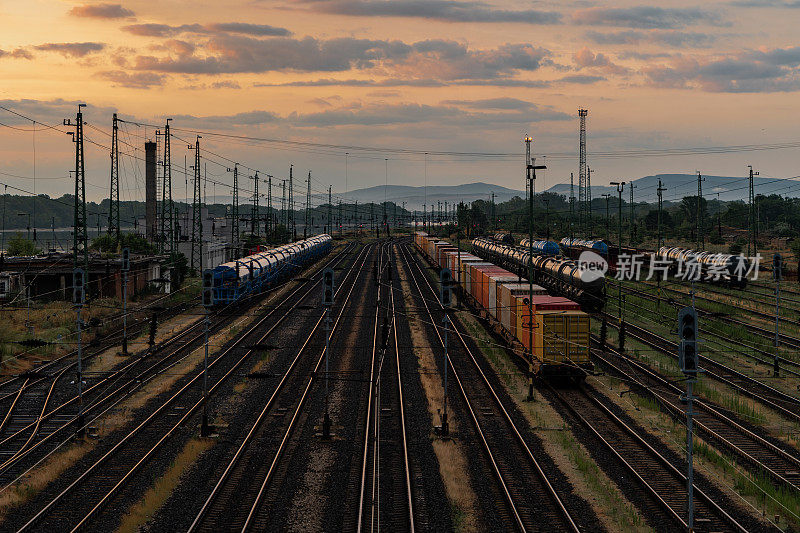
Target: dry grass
{"points": [[37, 479], [673, 436], [142, 511], [451, 454], [615, 512]]}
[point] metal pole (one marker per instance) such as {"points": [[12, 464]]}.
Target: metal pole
{"points": [[204, 427], [124, 312], [80, 375], [326, 423], [777, 315], [445, 425], [689, 460]]}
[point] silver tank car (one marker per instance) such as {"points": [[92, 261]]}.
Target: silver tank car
{"points": [[727, 269]]}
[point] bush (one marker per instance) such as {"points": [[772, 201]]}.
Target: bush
{"points": [[736, 247], [19, 245]]}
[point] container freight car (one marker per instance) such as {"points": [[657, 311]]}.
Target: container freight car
{"points": [[258, 272], [558, 275], [560, 328]]}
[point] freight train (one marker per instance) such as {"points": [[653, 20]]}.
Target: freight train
{"points": [[558, 275], [727, 269], [541, 247], [560, 329], [255, 273]]}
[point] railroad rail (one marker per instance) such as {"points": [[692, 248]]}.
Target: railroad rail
{"points": [[711, 423], [785, 404], [531, 499], [385, 492], [77, 504], [235, 500], [662, 482]]}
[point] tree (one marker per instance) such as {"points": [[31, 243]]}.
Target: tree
{"points": [[19, 245]]}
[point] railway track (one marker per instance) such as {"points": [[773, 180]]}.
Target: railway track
{"points": [[385, 493], [98, 480], [532, 503], [34, 425], [661, 482], [789, 341], [783, 403], [237, 501], [763, 357], [780, 463], [14, 385]]}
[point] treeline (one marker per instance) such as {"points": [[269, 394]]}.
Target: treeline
{"points": [[59, 212], [720, 222]]}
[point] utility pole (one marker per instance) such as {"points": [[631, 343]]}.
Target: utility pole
{"points": [[494, 217], [588, 194], [620, 187], [751, 237], [583, 201], [530, 174], [308, 204], [547, 217], [235, 210], [254, 216], [126, 266], [113, 198], [270, 229], [167, 209], [633, 214], [777, 275], [197, 219], [608, 221], [330, 217], [660, 190], [571, 205], [291, 225], [80, 236], [284, 214], [78, 299], [700, 239], [341, 227], [719, 217]]}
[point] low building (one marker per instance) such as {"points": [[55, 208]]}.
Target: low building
{"points": [[49, 277]]}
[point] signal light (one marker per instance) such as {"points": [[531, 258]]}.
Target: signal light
{"points": [[126, 259], [78, 284], [777, 267], [687, 350], [327, 287], [446, 280], [208, 288]]}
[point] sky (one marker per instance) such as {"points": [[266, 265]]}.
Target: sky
{"points": [[358, 91]]}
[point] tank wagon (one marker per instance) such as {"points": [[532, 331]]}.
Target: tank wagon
{"points": [[560, 328], [558, 275], [260, 271], [721, 268], [571, 246], [504, 237], [541, 247]]}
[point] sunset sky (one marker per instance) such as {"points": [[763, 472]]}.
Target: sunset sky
{"points": [[417, 75]]}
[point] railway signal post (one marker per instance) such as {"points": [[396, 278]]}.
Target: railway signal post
{"points": [[777, 274], [446, 297], [126, 266], [687, 361], [208, 303], [530, 170], [78, 299], [327, 302]]}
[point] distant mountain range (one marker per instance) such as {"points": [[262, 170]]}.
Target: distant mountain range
{"points": [[415, 197], [730, 188]]}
